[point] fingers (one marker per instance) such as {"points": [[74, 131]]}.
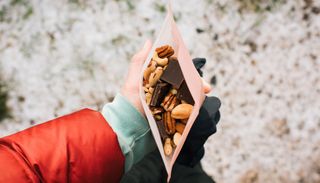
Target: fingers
{"points": [[206, 86], [142, 55]]}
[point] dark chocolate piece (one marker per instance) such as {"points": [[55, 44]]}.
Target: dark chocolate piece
{"points": [[160, 91], [162, 130], [173, 74], [184, 93]]}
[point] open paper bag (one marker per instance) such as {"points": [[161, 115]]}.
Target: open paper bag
{"points": [[169, 35]]}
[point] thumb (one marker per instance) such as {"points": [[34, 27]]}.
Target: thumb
{"points": [[142, 55], [206, 86]]}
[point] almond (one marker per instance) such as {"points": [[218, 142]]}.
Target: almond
{"points": [[182, 111]]}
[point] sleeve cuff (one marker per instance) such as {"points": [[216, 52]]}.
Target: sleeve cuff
{"points": [[132, 129]]}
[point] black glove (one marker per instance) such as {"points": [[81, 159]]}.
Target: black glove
{"points": [[203, 127], [198, 64], [151, 170]]}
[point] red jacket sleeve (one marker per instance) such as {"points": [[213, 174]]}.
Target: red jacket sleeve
{"points": [[80, 147]]}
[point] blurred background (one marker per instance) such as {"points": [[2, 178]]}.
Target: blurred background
{"points": [[263, 61]]}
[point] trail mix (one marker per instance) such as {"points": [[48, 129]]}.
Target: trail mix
{"points": [[167, 96]]}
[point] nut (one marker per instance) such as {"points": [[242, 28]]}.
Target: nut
{"points": [[155, 76], [151, 89], [148, 98], [184, 120], [145, 89], [167, 147], [169, 102], [165, 51], [156, 110], [169, 123], [176, 138], [151, 67], [182, 111], [157, 117], [167, 99], [160, 61], [173, 103], [173, 91], [180, 127], [164, 68]]}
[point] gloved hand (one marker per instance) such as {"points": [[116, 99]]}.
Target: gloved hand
{"points": [[204, 126]]}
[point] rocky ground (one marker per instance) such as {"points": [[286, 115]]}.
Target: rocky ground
{"points": [[263, 62]]}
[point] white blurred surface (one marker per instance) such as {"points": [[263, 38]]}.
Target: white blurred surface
{"points": [[64, 56]]}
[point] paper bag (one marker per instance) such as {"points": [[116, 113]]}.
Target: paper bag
{"points": [[169, 35]]}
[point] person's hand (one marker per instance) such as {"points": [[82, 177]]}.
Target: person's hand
{"points": [[130, 89], [203, 127]]}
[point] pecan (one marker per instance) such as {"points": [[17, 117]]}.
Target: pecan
{"points": [[167, 99], [182, 111], [165, 51], [173, 103], [169, 102], [169, 123]]}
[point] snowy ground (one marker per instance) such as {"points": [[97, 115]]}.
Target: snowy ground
{"points": [[60, 56]]}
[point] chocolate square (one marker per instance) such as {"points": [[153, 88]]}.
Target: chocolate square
{"points": [[162, 130], [173, 74], [184, 93], [160, 91]]}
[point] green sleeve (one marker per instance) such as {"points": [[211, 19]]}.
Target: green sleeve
{"points": [[132, 129]]}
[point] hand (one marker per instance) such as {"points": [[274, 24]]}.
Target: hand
{"points": [[130, 89], [203, 127]]}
